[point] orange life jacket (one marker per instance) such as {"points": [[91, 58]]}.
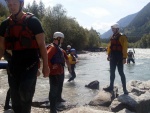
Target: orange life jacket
{"points": [[58, 58], [18, 36], [115, 43]]}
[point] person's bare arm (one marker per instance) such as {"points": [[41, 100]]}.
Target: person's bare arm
{"points": [[40, 38]]}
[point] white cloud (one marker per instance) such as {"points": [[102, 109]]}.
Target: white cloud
{"points": [[103, 26], [96, 12]]}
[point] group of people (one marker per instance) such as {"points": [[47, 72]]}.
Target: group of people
{"points": [[22, 34]]}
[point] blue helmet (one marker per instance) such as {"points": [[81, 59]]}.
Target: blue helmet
{"points": [[72, 50]]}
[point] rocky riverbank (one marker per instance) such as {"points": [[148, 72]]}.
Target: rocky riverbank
{"points": [[138, 101]]}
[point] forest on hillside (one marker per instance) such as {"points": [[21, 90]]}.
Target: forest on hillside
{"points": [[55, 19]]}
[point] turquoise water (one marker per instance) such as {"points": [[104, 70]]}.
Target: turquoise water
{"points": [[91, 66]]}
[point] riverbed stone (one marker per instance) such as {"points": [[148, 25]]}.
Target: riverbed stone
{"points": [[104, 98], [138, 99], [93, 85], [123, 101], [125, 111]]}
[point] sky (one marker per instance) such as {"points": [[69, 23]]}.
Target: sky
{"points": [[98, 14]]}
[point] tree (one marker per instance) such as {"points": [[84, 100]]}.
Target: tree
{"points": [[34, 9], [41, 10], [3, 12], [59, 17], [47, 25], [94, 40]]}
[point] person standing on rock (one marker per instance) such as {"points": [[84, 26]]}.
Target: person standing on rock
{"points": [[117, 54], [23, 34]]}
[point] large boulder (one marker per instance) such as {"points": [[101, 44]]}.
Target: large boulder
{"points": [[138, 99], [143, 103], [124, 101], [104, 98]]}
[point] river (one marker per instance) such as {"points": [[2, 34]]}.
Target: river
{"points": [[91, 66]]}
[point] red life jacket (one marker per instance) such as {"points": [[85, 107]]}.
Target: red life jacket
{"points": [[18, 36], [115, 43], [58, 58]]}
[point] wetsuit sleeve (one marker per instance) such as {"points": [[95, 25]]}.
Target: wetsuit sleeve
{"points": [[124, 43], [35, 25]]}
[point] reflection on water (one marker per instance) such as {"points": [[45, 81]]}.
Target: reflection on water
{"points": [[91, 66]]}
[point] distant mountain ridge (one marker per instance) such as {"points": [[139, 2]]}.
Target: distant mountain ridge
{"points": [[122, 22], [135, 26], [140, 25]]}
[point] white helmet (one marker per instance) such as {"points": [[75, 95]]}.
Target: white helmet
{"points": [[116, 25], [130, 50], [58, 34], [69, 46]]}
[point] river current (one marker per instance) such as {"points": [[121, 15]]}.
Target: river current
{"points": [[91, 66]]}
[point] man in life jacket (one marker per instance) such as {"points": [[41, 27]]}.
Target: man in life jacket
{"points": [[72, 61], [130, 57], [56, 60], [117, 54], [23, 34]]}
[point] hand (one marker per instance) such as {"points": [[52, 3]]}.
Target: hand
{"points": [[38, 73], [108, 58], [46, 71], [77, 61], [124, 61]]}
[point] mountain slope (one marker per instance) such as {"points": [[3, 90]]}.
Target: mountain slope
{"points": [[140, 25], [122, 22]]}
